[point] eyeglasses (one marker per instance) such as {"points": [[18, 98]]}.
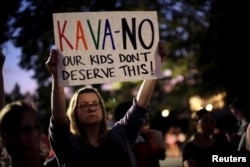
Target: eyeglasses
{"points": [[26, 130], [86, 106]]}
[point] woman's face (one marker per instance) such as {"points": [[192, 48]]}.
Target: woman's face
{"points": [[89, 110], [206, 124]]}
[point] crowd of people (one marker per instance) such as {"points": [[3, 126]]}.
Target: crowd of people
{"points": [[79, 134], [209, 140]]}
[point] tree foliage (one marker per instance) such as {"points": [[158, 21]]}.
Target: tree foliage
{"points": [[223, 60], [199, 36]]}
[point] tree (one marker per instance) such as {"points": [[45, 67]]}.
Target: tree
{"points": [[15, 93], [191, 39], [223, 61], [7, 11]]}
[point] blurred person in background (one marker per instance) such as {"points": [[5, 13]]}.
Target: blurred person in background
{"points": [[240, 108], [198, 151], [149, 147], [21, 133], [4, 157]]}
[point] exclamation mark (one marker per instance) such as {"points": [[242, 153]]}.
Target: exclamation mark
{"points": [[151, 65]]}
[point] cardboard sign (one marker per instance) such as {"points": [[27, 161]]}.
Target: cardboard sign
{"points": [[106, 47]]}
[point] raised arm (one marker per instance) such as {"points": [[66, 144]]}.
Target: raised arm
{"points": [[146, 90], [58, 103], [2, 94]]}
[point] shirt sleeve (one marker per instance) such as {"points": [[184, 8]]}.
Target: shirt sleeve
{"points": [[60, 138], [133, 121]]}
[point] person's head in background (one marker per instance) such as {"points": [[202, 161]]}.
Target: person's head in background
{"points": [[204, 122], [240, 108], [21, 133]]}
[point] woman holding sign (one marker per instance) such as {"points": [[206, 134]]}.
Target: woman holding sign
{"points": [[80, 136]]}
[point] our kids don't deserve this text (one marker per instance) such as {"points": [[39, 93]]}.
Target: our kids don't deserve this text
{"points": [[105, 47]]}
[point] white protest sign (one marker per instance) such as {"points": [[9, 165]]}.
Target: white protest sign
{"points": [[106, 47]]}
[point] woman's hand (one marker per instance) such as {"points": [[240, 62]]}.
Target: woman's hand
{"points": [[52, 61], [162, 50]]}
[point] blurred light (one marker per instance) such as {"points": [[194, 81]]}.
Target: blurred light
{"points": [[177, 79], [209, 107], [167, 73], [213, 102], [195, 103], [181, 137], [165, 113], [111, 86]]}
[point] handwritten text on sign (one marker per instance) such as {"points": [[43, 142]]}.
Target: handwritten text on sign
{"points": [[104, 47]]}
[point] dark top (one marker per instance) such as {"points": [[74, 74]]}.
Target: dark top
{"points": [[115, 151], [202, 155]]}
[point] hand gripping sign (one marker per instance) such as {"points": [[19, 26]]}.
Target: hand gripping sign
{"points": [[106, 47]]}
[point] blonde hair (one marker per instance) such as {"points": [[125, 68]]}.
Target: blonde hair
{"points": [[75, 125]]}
